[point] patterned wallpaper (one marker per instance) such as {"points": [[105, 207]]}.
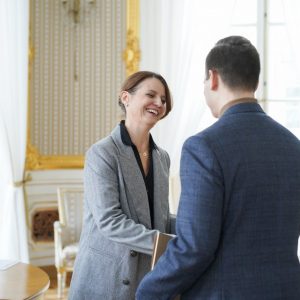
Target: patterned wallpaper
{"points": [[76, 72]]}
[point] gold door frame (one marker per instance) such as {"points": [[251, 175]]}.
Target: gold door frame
{"points": [[131, 57]]}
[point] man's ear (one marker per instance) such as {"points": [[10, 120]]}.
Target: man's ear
{"points": [[124, 97], [214, 79]]}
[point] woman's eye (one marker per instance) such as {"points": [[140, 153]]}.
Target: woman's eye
{"points": [[150, 95]]}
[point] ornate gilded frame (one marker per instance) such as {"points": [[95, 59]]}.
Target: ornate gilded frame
{"points": [[131, 57]]}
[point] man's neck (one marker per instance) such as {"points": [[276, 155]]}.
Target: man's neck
{"points": [[234, 102], [228, 99]]}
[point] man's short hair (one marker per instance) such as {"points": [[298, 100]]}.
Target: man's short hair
{"points": [[237, 62]]}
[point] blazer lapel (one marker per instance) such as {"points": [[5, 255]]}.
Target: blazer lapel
{"points": [[161, 183], [133, 180]]}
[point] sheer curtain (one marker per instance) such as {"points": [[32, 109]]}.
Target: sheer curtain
{"points": [[176, 36], [14, 28]]}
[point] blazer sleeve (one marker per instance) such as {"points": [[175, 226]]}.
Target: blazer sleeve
{"points": [[102, 199], [198, 225]]}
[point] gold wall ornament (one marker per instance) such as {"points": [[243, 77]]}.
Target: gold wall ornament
{"points": [[35, 161], [77, 9], [132, 53], [32, 158]]}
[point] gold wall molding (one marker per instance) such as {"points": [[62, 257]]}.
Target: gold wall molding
{"points": [[75, 72], [132, 53], [35, 161]]}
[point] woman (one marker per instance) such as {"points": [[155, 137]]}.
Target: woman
{"points": [[126, 196]]}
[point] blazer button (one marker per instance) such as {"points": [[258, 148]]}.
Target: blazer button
{"points": [[126, 281], [133, 253]]}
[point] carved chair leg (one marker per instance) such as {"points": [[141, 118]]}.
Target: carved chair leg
{"points": [[61, 283]]}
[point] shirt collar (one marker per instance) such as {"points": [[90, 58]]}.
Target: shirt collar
{"points": [[236, 101], [127, 140]]}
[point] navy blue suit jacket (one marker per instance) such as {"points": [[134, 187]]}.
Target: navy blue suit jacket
{"points": [[238, 219]]}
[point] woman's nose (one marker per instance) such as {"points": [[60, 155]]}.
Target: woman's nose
{"points": [[158, 101]]}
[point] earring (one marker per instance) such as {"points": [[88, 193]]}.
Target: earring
{"points": [[126, 104]]}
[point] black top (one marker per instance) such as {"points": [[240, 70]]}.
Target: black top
{"points": [[149, 182]]}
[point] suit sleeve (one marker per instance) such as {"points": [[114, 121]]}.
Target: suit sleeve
{"points": [[103, 200], [198, 225]]}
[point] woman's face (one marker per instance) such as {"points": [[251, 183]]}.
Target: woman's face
{"points": [[147, 104]]}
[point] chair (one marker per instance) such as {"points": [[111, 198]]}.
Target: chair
{"points": [[67, 232]]}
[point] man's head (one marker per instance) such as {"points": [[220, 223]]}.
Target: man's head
{"points": [[236, 62]]}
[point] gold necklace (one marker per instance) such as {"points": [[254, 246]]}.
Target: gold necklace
{"points": [[144, 154]]}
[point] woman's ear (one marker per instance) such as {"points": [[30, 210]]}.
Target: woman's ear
{"points": [[124, 96]]}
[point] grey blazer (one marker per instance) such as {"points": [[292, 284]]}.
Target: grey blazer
{"points": [[117, 239]]}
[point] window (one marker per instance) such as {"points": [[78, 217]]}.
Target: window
{"points": [[176, 36], [282, 74]]}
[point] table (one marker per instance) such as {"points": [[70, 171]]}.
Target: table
{"points": [[23, 281]]}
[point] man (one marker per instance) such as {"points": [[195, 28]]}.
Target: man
{"points": [[238, 219]]}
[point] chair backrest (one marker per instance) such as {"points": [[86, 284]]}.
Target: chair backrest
{"points": [[70, 208]]}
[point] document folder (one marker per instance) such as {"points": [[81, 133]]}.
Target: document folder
{"points": [[160, 245]]}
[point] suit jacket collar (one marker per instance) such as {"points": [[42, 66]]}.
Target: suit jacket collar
{"points": [[243, 107], [134, 181]]}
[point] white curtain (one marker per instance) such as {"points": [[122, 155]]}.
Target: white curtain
{"points": [[14, 28], [176, 36]]}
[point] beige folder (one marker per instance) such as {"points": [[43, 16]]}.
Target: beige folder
{"points": [[160, 245]]}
